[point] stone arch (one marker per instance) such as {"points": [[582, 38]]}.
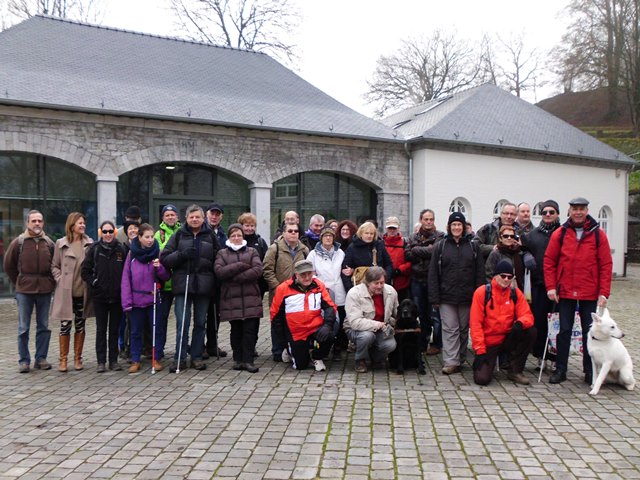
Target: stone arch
{"points": [[376, 183]]}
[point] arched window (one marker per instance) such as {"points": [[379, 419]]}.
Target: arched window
{"points": [[498, 208], [536, 214], [461, 205], [604, 219]]}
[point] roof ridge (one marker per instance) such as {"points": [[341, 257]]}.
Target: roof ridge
{"points": [[144, 34]]}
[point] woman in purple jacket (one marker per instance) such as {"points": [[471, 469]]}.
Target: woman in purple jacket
{"points": [[142, 270]]}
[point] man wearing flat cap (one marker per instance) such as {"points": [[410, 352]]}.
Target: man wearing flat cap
{"points": [[304, 314], [215, 212], [577, 272]]}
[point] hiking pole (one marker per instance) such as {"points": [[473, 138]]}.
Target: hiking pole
{"points": [[153, 333], [184, 312]]}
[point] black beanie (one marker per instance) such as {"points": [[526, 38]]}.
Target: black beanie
{"points": [[457, 217], [503, 266], [551, 203]]}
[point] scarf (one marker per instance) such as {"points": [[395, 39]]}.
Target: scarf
{"points": [[144, 255], [313, 236], [324, 253], [235, 247], [548, 228]]}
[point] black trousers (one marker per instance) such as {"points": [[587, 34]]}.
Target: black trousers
{"points": [[213, 322], [516, 345], [300, 351], [541, 306], [108, 316], [243, 338]]}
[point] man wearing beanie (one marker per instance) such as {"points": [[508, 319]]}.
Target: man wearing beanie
{"points": [[536, 243], [418, 251], [501, 321], [577, 272]]}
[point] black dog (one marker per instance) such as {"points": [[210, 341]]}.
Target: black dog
{"points": [[407, 353]]}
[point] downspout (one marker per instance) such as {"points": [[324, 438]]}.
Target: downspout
{"points": [[408, 152]]}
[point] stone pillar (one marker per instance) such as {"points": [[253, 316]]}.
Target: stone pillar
{"points": [[261, 207], [107, 197], [395, 204]]}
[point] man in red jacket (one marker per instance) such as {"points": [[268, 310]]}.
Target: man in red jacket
{"points": [[395, 245], [500, 321], [577, 271]]}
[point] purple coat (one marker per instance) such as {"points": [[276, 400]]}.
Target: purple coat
{"points": [[137, 283]]}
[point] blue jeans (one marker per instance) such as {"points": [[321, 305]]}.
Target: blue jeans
{"points": [[567, 310], [429, 318], [26, 302], [200, 304]]}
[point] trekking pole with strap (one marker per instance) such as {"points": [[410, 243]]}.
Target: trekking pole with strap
{"points": [[184, 312], [153, 330]]}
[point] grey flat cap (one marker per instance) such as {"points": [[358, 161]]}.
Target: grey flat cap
{"points": [[579, 201]]}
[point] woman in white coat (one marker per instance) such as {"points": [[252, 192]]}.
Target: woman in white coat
{"points": [[327, 258]]}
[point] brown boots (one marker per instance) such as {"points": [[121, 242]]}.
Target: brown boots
{"points": [[78, 343], [64, 351]]}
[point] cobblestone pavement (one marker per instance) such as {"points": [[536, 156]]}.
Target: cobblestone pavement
{"points": [[281, 424]]}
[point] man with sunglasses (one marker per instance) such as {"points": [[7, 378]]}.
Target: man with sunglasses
{"points": [[536, 243], [577, 273], [500, 321], [278, 264]]}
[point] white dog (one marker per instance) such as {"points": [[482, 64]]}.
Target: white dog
{"points": [[609, 357]]}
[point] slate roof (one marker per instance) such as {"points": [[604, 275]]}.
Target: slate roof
{"points": [[56, 63], [489, 116]]}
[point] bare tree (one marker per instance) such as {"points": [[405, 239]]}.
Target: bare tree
{"points": [[261, 25], [423, 69], [82, 10], [519, 68]]}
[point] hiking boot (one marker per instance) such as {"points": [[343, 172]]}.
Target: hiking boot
{"points": [[286, 358], [518, 378], [198, 365], [558, 377], [157, 365], [432, 350], [361, 366], [42, 364], [101, 368], [24, 368], [238, 366], [251, 368], [222, 353], [451, 369], [174, 366], [135, 367], [115, 366], [319, 365]]}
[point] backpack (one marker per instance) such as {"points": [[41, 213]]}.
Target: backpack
{"points": [[487, 297]]}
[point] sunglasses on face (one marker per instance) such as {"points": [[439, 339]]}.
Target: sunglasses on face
{"points": [[506, 276], [508, 236], [292, 231], [107, 232], [548, 212]]}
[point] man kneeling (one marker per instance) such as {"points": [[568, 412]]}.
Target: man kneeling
{"points": [[371, 309], [500, 321], [303, 312]]}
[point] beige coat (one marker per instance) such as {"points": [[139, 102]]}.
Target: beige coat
{"points": [[62, 267], [360, 309], [278, 264]]}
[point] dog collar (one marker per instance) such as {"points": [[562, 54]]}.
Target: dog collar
{"points": [[594, 338]]}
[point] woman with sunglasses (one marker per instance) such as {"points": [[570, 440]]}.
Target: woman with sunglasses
{"points": [[102, 271], [508, 248]]}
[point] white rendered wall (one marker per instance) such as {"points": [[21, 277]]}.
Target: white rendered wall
{"points": [[482, 180]]}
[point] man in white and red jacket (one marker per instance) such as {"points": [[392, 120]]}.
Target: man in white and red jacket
{"points": [[577, 272], [500, 321]]}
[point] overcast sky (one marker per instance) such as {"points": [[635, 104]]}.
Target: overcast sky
{"points": [[340, 40]]}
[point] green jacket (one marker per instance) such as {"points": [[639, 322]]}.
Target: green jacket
{"points": [[162, 236]]}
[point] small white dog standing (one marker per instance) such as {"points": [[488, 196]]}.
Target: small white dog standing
{"points": [[609, 357]]}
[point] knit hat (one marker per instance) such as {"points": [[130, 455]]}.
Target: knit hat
{"points": [[551, 203], [457, 217], [133, 212], [234, 226], [169, 208], [327, 231], [503, 266], [303, 266]]}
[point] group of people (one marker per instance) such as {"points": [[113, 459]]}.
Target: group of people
{"points": [[331, 288]]}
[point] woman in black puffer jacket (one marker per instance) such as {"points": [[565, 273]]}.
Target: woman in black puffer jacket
{"points": [[366, 250], [102, 271], [239, 268]]}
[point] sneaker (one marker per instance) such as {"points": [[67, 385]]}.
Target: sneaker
{"points": [[174, 366], [115, 366], [286, 358], [24, 368], [432, 350], [518, 378], [319, 365], [558, 377], [451, 369], [42, 364], [135, 367], [361, 366], [101, 368], [198, 365], [251, 368]]}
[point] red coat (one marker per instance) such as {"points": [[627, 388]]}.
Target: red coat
{"points": [[578, 270], [491, 329], [395, 248]]}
